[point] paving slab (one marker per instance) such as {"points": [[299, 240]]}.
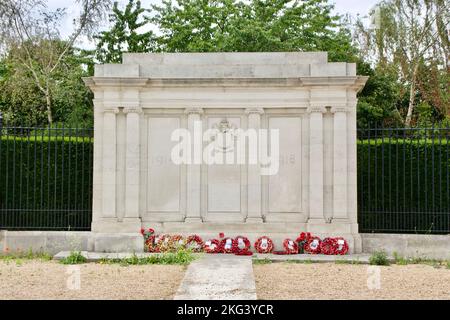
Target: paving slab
{"points": [[218, 277]]}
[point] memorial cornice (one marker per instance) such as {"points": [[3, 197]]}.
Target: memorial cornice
{"points": [[355, 83]]}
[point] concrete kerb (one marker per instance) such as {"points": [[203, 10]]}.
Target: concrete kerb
{"points": [[305, 258]]}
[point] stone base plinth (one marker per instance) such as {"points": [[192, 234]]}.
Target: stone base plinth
{"points": [[118, 242]]}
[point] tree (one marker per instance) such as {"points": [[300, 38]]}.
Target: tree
{"points": [[412, 34], [29, 35], [23, 104], [256, 25], [124, 34]]}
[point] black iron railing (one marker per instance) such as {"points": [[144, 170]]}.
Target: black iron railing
{"points": [[45, 178], [403, 180]]}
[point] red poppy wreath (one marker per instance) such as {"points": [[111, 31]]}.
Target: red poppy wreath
{"points": [[241, 245], [264, 245], [313, 245], [290, 246], [226, 245], [342, 246], [212, 246], [194, 243]]}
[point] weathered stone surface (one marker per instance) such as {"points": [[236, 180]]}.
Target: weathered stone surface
{"points": [[409, 245], [123, 242], [218, 277], [311, 102], [45, 241]]}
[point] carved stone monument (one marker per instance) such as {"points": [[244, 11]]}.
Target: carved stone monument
{"points": [[303, 100]]}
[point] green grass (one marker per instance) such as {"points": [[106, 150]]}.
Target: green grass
{"points": [[262, 261], [352, 262], [308, 261], [379, 258], [181, 257], [75, 257], [436, 263], [27, 255]]}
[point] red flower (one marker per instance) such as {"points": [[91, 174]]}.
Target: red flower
{"points": [[221, 235], [142, 231], [151, 230]]}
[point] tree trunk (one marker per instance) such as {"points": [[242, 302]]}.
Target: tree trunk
{"points": [[49, 108], [412, 97]]}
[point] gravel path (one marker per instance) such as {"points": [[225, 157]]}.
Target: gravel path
{"points": [[333, 281], [34, 279]]}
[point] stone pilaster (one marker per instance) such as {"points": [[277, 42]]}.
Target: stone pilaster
{"points": [[254, 200], [193, 172], [109, 153], [132, 164], [340, 163], [316, 164]]}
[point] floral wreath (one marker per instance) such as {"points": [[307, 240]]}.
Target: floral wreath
{"points": [[342, 246], [212, 246], [150, 244], [328, 246], [195, 243], [303, 239], [241, 245], [227, 245], [149, 238], [290, 246], [176, 242], [162, 243], [264, 245], [313, 245]]}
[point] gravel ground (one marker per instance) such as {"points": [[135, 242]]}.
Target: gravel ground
{"points": [[35, 279], [334, 281]]}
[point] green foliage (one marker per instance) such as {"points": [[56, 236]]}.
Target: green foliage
{"points": [[75, 257], [23, 103], [180, 257], [399, 260], [379, 258], [402, 185], [267, 25], [28, 255], [45, 182], [262, 261], [379, 100], [124, 35]]}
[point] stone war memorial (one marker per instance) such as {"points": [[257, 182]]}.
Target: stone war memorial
{"points": [[280, 129]]}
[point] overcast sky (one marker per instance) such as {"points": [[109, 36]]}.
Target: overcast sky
{"points": [[352, 7]]}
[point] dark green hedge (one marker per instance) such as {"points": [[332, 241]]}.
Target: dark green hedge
{"points": [[403, 186], [45, 183]]}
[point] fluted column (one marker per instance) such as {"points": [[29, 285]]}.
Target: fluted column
{"points": [[132, 163], [316, 164], [193, 172], [109, 160], [254, 197], [340, 163]]}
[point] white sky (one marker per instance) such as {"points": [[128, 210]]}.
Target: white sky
{"points": [[353, 7]]}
